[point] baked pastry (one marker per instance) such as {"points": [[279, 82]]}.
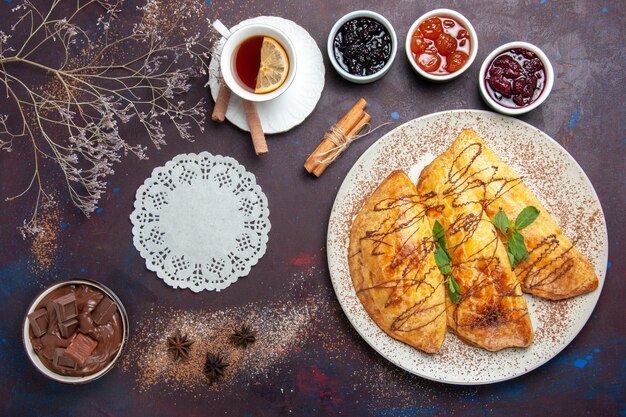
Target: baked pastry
{"points": [[491, 312], [393, 267], [554, 269]]}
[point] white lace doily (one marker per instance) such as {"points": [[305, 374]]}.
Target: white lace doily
{"points": [[200, 222]]}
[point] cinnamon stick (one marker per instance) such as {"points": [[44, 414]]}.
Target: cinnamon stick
{"points": [[349, 126], [365, 119], [325, 159], [221, 104], [256, 129]]}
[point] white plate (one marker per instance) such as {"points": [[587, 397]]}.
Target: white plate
{"points": [[294, 105], [548, 170]]}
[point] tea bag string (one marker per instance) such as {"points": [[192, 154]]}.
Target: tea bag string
{"points": [[342, 141]]}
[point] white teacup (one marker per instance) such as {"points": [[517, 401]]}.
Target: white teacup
{"points": [[229, 52]]}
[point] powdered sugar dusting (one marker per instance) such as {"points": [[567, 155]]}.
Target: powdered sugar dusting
{"points": [[280, 328]]}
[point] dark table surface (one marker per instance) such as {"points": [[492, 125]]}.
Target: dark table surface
{"points": [[317, 364]]}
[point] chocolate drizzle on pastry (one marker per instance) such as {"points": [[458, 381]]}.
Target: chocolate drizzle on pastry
{"points": [[491, 312], [392, 264], [402, 289], [555, 269]]}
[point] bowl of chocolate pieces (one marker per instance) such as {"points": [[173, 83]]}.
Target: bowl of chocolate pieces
{"points": [[75, 331]]}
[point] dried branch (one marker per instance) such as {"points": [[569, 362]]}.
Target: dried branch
{"points": [[96, 82]]}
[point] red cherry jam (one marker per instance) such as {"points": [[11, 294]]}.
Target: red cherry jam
{"points": [[440, 45], [515, 78]]}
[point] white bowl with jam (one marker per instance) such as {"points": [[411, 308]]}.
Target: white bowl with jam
{"points": [[515, 78], [362, 46], [441, 45]]}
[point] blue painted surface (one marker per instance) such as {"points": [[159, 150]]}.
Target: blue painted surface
{"points": [[580, 363], [575, 118]]}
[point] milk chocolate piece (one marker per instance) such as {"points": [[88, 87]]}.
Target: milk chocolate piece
{"points": [[62, 360], [104, 311], [38, 320], [109, 338], [65, 307], [68, 328], [80, 348], [85, 322]]}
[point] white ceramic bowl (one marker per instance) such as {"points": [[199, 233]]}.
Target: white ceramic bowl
{"points": [[473, 41], [362, 79], [514, 111], [29, 346]]}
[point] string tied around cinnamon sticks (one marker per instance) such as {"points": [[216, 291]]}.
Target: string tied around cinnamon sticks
{"points": [[339, 137], [342, 141]]}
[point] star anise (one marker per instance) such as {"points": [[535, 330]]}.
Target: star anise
{"points": [[243, 336], [214, 366], [180, 345]]}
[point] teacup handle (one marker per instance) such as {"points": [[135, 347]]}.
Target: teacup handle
{"points": [[223, 30]]}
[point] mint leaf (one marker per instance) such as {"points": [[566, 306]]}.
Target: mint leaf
{"points": [[454, 291], [511, 259], [443, 261], [501, 221], [517, 247], [438, 234], [440, 238], [526, 217]]}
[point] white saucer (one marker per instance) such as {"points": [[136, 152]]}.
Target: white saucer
{"points": [[294, 105]]}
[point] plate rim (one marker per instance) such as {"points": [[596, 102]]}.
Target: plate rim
{"points": [[335, 280]]}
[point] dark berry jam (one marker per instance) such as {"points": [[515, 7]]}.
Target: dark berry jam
{"points": [[362, 46], [515, 78]]}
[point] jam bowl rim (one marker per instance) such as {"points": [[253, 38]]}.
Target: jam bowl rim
{"points": [[362, 79], [473, 44], [547, 87]]}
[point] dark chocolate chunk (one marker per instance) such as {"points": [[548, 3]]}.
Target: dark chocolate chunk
{"points": [[104, 311], [39, 322], [62, 360], [68, 328], [65, 307], [80, 348]]}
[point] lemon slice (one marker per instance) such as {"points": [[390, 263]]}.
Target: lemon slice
{"points": [[274, 67]]}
